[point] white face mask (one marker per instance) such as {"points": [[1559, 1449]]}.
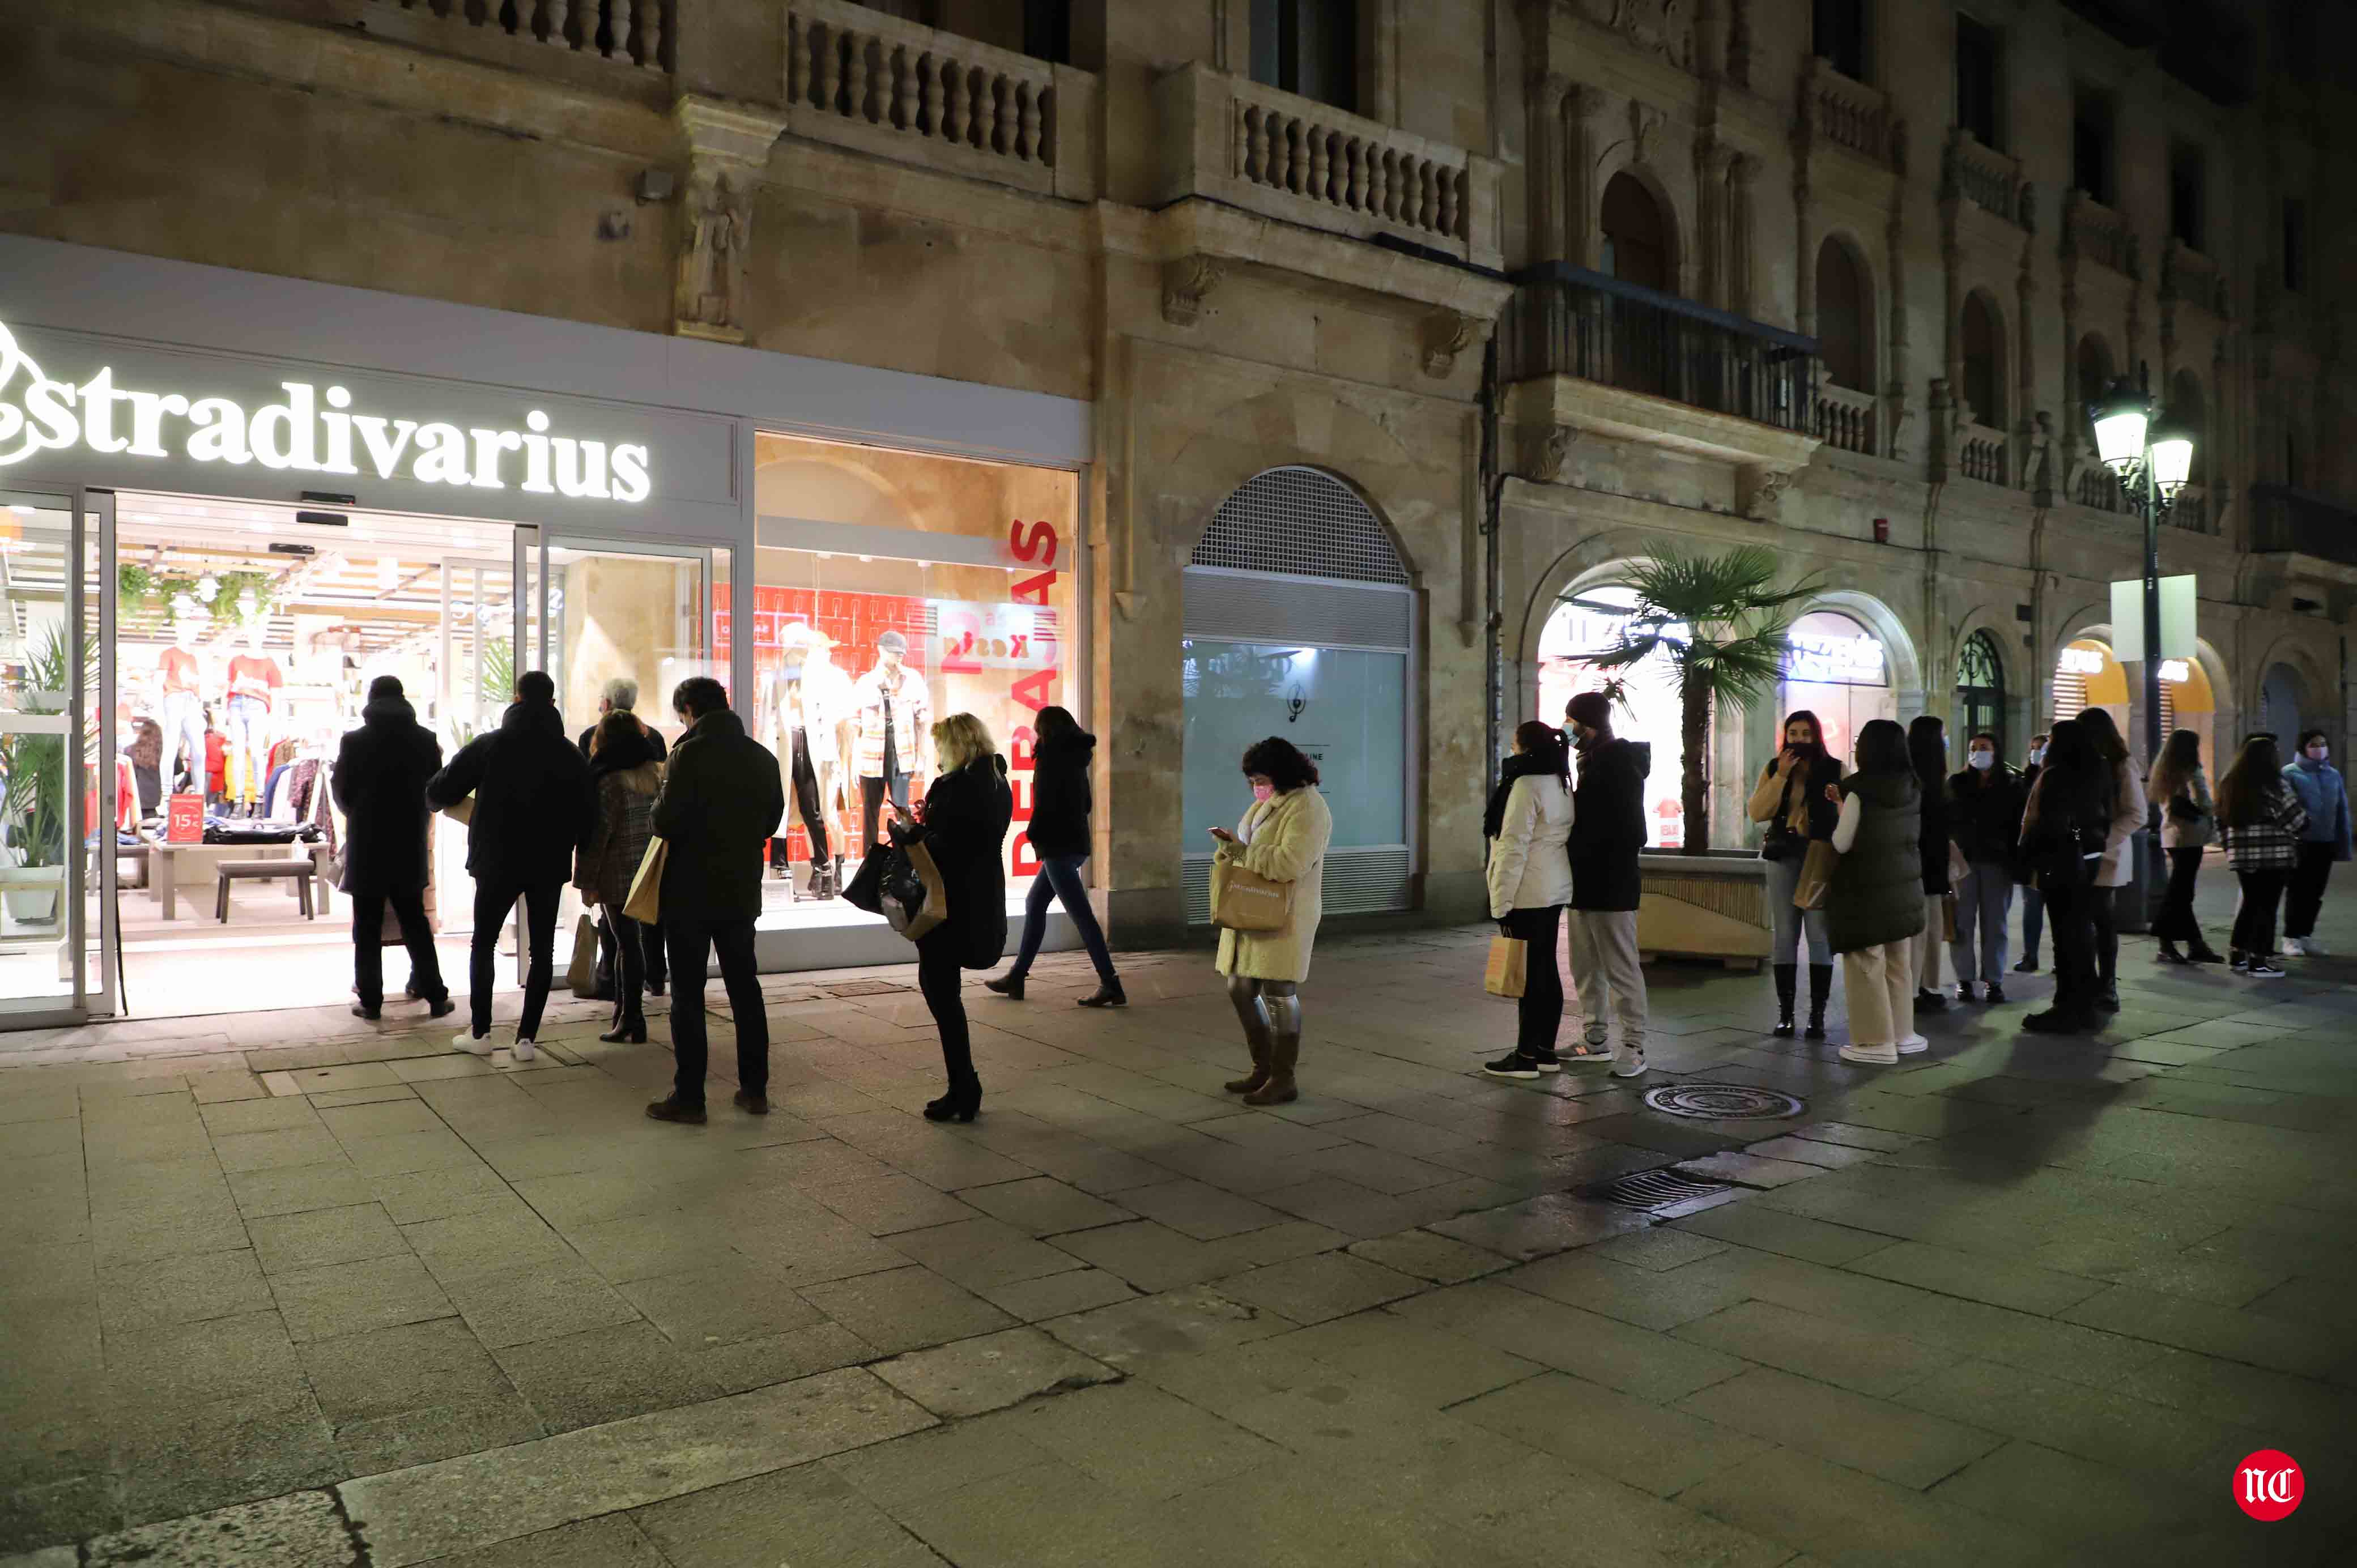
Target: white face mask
{"points": [[2318, 752], [2036, 755], [1983, 759]]}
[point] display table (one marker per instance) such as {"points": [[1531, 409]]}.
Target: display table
{"points": [[197, 865]]}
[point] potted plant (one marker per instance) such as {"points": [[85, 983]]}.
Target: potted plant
{"points": [[34, 805], [1722, 622]]}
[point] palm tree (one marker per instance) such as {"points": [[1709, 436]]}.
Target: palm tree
{"points": [[1722, 620]]}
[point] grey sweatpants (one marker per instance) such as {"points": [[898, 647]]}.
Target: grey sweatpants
{"points": [[1605, 975]]}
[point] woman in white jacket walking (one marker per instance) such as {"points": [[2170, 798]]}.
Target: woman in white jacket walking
{"points": [[1529, 828]]}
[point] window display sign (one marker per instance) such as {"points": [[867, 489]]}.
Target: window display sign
{"points": [[1840, 672], [1648, 712], [184, 820]]}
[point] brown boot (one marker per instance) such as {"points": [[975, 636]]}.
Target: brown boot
{"points": [[1259, 1073], [1279, 1089]]}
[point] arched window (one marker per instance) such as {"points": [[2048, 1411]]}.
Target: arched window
{"points": [[1636, 237], [2188, 408], [1983, 356], [1845, 318], [1980, 690]]}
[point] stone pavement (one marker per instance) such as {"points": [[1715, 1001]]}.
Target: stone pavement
{"points": [[286, 1292]]}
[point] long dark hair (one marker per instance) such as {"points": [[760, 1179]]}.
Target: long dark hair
{"points": [[2103, 735], [2180, 755], [1055, 723], [1544, 750], [618, 744], [1927, 748], [1814, 751], [2251, 783], [1883, 748], [2074, 779], [1282, 762]]}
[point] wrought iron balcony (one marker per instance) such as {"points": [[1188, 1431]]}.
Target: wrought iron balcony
{"points": [[1565, 320], [2291, 522]]}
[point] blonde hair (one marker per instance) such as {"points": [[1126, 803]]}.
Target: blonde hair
{"points": [[960, 739]]}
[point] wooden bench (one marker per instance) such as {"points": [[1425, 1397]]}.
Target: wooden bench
{"points": [[297, 870]]}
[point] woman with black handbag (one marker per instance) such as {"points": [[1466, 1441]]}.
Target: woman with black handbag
{"points": [[2063, 829], [963, 828], [2176, 786], [1791, 798]]}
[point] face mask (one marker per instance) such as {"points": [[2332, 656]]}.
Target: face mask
{"points": [[1984, 759], [2036, 755], [1262, 791], [2318, 753]]}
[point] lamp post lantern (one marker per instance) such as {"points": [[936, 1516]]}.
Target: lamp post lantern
{"points": [[2153, 455]]}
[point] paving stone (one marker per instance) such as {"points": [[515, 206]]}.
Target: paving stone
{"points": [[275, 1150], [1044, 1206], [887, 1204], [413, 1197], [329, 1099], [352, 1298], [433, 1511], [1423, 1365], [1659, 1248], [981, 1253], [617, 1541], [1601, 1349], [782, 1357], [1798, 1150], [1539, 1226], [2237, 1336], [391, 1372], [1160, 1327], [492, 1240], [1055, 1296], [1048, 1515], [232, 1451], [537, 1301], [300, 1530], [603, 1374], [267, 1115], [1749, 1170], [188, 1365], [187, 1289], [1428, 1256], [1138, 1440], [905, 1309], [294, 1189], [1198, 1209], [1845, 1515], [990, 1372], [316, 1238], [941, 1460], [810, 1518], [1830, 1351], [2064, 1495], [2110, 1428], [1976, 1276], [1314, 1289], [1662, 1451], [722, 1306], [1882, 1439], [1660, 1299], [1795, 1236]]}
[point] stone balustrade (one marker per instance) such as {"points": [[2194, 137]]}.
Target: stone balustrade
{"points": [[2190, 277], [860, 79], [639, 34], [1981, 455], [2093, 231], [1305, 162], [1846, 418], [1988, 178], [2098, 487], [1848, 115]]}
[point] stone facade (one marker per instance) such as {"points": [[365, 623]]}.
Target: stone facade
{"points": [[1238, 277]]}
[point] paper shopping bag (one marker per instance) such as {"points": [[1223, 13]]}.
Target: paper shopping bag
{"points": [[1508, 970], [645, 902], [1816, 876], [581, 977]]}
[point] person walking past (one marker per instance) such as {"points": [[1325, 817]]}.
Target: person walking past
{"points": [[2178, 789], [721, 803], [1059, 832], [1791, 798], [627, 778], [963, 828], [621, 695], [2064, 830], [2033, 902], [1984, 803], [1927, 748], [2325, 797], [1528, 824], [379, 783], [1608, 833], [1875, 905], [2119, 869], [2264, 824], [1283, 837], [531, 810]]}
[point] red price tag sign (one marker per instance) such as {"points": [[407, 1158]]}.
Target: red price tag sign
{"points": [[184, 821]]}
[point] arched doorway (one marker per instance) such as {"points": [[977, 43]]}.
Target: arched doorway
{"points": [[1301, 622], [1649, 711], [1636, 235], [2186, 701], [1980, 691], [1840, 671]]}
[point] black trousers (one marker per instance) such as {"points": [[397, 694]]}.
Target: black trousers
{"points": [[2304, 896], [940, 977], [693, 943], [1539, 1013], [2175, 922], [651, 964], [2255, 923], [871, 800], [2070, 921], [494, 896], [630, 939], [2103, 910], [417, 935]]}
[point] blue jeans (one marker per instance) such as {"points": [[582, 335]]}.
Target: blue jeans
{"points": [[1060, 877], [2033, 921]]}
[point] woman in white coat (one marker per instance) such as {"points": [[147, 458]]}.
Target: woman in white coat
{"points": [[1283, 838], [1529, 828], [2118, 868]]}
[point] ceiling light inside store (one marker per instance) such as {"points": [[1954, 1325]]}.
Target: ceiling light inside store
{"points": [[388, 573], [22, 510]]}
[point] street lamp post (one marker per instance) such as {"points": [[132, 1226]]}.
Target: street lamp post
{"points": [[2153, 458]]}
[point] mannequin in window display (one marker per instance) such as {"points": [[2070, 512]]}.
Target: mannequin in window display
{"points": [[180, 677], [251, 697], [804, 703], [893, 723]]}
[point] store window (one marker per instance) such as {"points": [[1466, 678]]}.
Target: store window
{"points": [[1301, 622], [1840, 672], [1648, 709], [1980, 690], [892, 589], [2187, 703], [2091, 143], [1309, 46], [2087, 676], [1837, 35]]}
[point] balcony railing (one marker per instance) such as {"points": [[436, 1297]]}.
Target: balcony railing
{"points": [[637, 35], [1848, 115], [1846, 418], [2098, 487], [863, 79], [1981, 455], [1986, 178], [2093, 231], [1293, 158], [1569, 321], [2285, 519]]}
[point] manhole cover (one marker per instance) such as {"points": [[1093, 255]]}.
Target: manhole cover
{"points": [[1654, 1190], [864, 988], [1723, 1101]]}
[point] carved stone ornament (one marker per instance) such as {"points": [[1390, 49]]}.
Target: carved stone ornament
{"points": [[1644, 131], [2039, 467], [1902, 423], [1447, 334], [1187, 283], [1764, 492], [1547, 451], [1658, 26], [709, 301]]}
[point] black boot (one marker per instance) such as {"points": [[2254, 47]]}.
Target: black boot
{"points": [[1821, 990], [1788, 980], [1009, 985], [962, 1104], [1108, 993], [630, 1030]]}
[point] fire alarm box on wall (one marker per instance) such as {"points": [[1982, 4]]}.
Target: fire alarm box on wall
{"points": [[1882, 531]]}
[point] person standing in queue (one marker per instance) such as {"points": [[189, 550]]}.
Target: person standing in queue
{"points": [[2176, 785], [531, 810], [621, 695], [1608, 833], [2326, 839], [721, 803], [1528, 824], [1927, 748], [1283, 837], [1875, 905], [626, 778], [379, 783], [2033, 902], [963, 828], [2119, 859], [1985, 802], [2063, 831], [2264, 824], [1791, 798], [1059, 832]]}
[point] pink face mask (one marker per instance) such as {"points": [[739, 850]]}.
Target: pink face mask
{"points": [[1262, 791]]}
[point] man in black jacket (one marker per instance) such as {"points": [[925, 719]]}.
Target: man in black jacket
{"points": [[533, 807], [1608, 830], [382, 769], [721, 805]]}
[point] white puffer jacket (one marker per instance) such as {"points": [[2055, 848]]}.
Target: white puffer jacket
{"points": [[1530, 863]]}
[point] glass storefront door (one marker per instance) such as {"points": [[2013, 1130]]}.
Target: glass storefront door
{"points": [[638, 611]]}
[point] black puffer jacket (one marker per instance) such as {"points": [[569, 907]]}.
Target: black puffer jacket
{"points": [[1984, 814], [532, 804], [966, 815], [721, 805], [381, 771], [1607, 826], [1059, 795], [1932, 832]]}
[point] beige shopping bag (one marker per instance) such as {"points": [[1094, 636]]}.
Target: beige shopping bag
{"points": [[1508, 971], [645, 902]]}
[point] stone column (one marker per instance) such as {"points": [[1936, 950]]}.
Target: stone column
{"points": [[1715, 219], [1544, 163], [1584, 108], [1742, 236]]}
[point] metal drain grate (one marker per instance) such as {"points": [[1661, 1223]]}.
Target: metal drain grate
{"points": [[1725, 1101], [1654, 1190], [865, 988]]}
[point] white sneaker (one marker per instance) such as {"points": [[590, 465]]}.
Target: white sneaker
{"points": [[1913, 1045], [2299, 947], [464, 1040], [525, 1050], [1870, 1055], [1628, 1061]]}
